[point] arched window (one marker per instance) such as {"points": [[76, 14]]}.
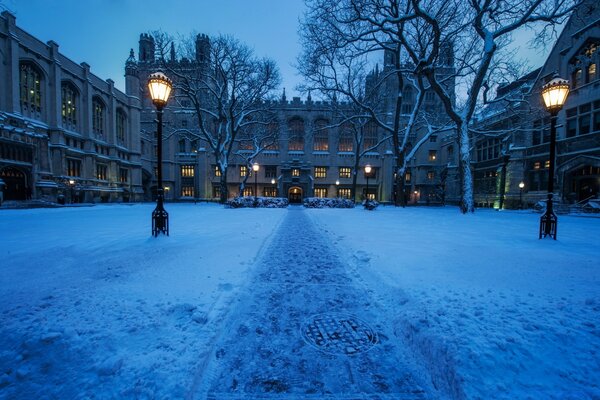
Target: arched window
{"points": [[346, 138], [577, 75], [69, 105], [98, 117], [584, 64], [121, 125], [592, 73], [321, 136], [30, 81], [296, 135], [370, 136]]}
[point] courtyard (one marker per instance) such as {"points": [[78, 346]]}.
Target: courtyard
{"points": [[297, 303]]}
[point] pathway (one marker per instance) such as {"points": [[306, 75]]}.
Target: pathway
{"points": [[305, 329]]}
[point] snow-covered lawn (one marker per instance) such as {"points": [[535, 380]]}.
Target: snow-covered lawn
{"points": [[493, 311], [94, 307]]}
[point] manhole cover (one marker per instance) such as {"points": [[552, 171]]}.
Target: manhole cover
{"points": [[339, 334]]}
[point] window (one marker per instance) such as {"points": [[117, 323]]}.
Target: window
{"points": [[101, 172], [321, 136], [585, 124], [370, 136], [217, 170], [577, 78], [69, 101], [182, 145], [121, 126], [571, 127], [345, 172], [591, 72], [31, 89], [407, 177], [123, 175], [295, 172], [296, 135], [433, 138], [536, 165], [321, 192], [547, 164], [270, 191], [73, 167], [345, 193], [243, 170], [187, 171], [488, 149], [98, 117], [187, 191], [247, 191], [346, 139], [184, 123], [430, 175], [320, 172], [432, 155], [216, 191], [270, 171], [597, 121]]}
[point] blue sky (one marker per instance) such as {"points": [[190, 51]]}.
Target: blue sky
{"points": [[101, 32]]}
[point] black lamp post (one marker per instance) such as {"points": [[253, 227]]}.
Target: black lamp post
{"points": [[273, 182], [554, 94], [255, 168], [160, 88], [72, 190], [337, 187], [521, 186], [367, 173]]}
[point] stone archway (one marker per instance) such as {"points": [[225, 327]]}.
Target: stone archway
{"points": [[580, 178], [16, 184], [295, 195]]}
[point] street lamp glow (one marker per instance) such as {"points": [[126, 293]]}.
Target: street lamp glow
{"points": [[554, 94], [337, 182], [255, 167], [160, 87], [521, 185], [368, 169], [71, 181], [273, 181]]}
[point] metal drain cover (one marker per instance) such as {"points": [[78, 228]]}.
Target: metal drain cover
{"points": [[339, 334]]}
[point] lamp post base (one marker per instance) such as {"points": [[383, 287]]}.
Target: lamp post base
{"points": [[548, 222], [160, 219]]}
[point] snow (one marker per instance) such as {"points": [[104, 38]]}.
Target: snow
{"points": [[95, 307], [465, 306], [492, 310]]}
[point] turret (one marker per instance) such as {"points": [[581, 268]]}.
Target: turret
{"points": [[147, 49], [132, 80], [202, 48]]}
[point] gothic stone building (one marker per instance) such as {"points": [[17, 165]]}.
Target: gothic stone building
{"points": [[65, 134], [307, 161], [522, 153]]}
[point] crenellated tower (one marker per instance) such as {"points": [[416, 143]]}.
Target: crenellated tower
{"points": [[147, 48]]}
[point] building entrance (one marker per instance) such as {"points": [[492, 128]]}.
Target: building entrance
{"points": [[585, 183], [15, 184], [295, 195]]}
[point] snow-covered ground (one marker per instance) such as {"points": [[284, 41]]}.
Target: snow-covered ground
{"points": [[94, 307], [493, 311]]}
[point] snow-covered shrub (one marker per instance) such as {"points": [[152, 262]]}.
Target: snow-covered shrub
{"points": [[258, 202], [370, 204], [317, 202]]}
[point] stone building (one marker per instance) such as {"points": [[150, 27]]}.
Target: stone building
{"points": [[520, 150], [65, 134], [306, 161]]}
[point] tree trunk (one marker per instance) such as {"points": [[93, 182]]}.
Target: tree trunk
{"points": [[355, 176], [466, 200], [223, 184]]}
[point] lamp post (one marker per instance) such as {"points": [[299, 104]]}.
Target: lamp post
{"points": [[367, 173], [337, 188], [273, 182], [72, 189], [554, 94], [255, 168], [521, 186], [160, 88]]}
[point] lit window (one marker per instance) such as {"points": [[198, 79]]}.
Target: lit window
{"points": [[73, 167], [296, 135], [101, 172], [321, 136], [320, 172], [98, 117], [69, 101], [295, 172], [407, 177], [591, 72], [187, 171], [536, 165], [321, 192], [217, 171], [345, 172], [270, 191], [243, 170], [187, 191], [430, 175], [345, 193], [247, 191], [123, 175], [31, 89], [547, 164]]}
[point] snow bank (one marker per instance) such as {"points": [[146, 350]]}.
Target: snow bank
{"points": [[493, 311], [94, 307]]}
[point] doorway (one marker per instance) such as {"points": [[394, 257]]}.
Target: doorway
{"points": [[295, 195], [16, 184]]}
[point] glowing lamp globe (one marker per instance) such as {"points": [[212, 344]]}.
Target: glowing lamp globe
{"points": [[367, 169], [160, 87], [555, 93], [255, 167]]}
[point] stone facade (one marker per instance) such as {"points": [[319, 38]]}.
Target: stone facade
{"points": [[520, 152], [65, 134]]}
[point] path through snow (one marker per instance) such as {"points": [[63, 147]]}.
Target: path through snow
{"points": [[300, 292]]}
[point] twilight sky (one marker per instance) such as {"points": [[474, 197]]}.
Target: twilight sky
{"points": [[101, 32]]}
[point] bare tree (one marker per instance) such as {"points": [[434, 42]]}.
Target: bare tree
{"points": [[228, 87]]}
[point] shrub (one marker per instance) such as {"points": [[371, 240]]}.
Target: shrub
{"points": [[258, 202], [316, 202], [370, 204]]}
